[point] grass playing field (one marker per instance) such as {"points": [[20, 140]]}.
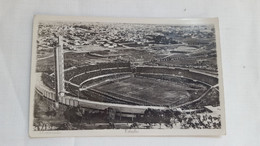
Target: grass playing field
{"points": [[150, 91]]}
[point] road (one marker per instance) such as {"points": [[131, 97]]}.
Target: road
{"points": [[38, 59]]}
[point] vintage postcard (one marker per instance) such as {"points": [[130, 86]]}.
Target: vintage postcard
{"points": [[96, 76]]}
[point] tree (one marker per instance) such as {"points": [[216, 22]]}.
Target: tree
{"points": [[153, 116], [65, 126], [110, 116], [73, 114], [148, 116]]}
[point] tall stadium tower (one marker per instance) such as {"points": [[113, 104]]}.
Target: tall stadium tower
{"points": [[59, 71]]}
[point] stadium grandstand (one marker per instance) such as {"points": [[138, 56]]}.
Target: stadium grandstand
{"points": [[95, 82]]}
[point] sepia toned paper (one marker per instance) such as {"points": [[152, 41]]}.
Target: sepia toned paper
{"points": [[96, 76]]}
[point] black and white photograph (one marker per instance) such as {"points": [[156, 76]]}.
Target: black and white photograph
{"points": [[94, 76]]}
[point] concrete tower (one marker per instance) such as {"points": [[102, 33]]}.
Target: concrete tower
{"points": [[59, 71]]}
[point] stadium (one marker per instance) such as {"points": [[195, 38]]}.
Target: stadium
{"points": [[119, 85]]}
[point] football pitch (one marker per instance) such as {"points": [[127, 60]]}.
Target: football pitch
{"points": [[150, 91]]}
